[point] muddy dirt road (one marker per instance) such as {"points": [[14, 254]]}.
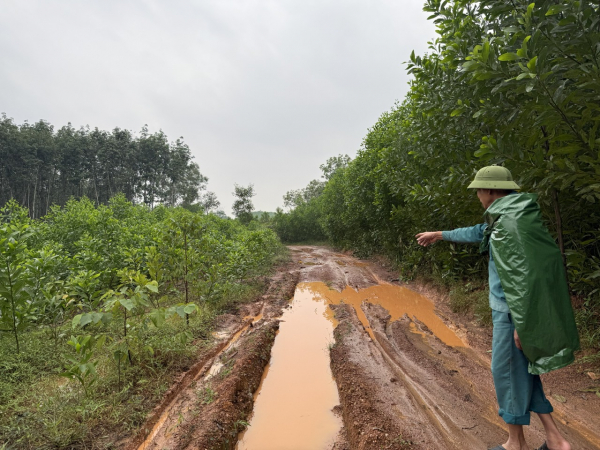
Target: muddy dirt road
{"points": [[354, 361]]}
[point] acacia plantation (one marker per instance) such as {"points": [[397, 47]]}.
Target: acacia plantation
{"points": [[511, 83]]}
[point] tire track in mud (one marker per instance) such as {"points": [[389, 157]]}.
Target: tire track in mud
{"points": [[209, 405], [405, 388], [399, 385]]}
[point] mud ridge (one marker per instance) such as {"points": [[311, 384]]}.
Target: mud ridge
{"points": [[179, 385], [216, 425], [208, 405]]}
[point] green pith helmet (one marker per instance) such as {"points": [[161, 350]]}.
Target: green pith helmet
{"points": [[493, 177]]}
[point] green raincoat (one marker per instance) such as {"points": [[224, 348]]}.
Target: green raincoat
{"points": [[533, 278]]}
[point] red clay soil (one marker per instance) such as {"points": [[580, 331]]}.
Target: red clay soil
{"points": [[209, 404], [410, 390], [405, 389]]}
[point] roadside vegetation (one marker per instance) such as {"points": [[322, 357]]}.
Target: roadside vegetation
{"points": [[512, 83], [103, 305]]}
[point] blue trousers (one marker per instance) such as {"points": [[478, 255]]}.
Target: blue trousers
{"points": [[518, 391]]}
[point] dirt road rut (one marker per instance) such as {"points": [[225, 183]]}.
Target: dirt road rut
{"points": [[408, 376]]}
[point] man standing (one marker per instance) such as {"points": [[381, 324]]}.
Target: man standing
{"points": [[534, 326]]}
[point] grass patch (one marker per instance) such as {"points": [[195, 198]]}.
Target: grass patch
{"points": [[39, 409], [471, 298], [587, 316], [207, 395]]}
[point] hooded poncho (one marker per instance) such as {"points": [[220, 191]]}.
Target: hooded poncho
{"points": [[533, 278]]}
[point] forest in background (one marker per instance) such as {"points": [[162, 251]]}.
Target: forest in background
{"points": [[41, 167], [511, 83]]}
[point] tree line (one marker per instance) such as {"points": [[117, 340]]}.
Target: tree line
{"points": [[41, 167], [510, 83]]}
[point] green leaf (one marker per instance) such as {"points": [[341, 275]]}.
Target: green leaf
{"points": [[508, 57], [456, 112], [85, 319], [530, 86], [128, 303], [532, 64], [482, 152], [555, 9], [190, 308], [486, 51], [100, 342]]}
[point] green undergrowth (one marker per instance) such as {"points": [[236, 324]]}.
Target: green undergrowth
{"points": [[39, 409], [471, 298], [465, 297], [102, 306]]}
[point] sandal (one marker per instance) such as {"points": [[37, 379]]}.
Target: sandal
{"points": [[543, 447], [499, 447]]}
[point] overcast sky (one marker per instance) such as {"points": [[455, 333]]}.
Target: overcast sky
{"points": [[262, 91]]}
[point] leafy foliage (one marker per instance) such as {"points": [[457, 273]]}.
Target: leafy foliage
{"points": [[510, 83], [242, 206], [125, 293]]}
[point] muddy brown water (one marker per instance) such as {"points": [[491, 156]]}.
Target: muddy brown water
{"points": [[402, 373], [397, 300], [294, 403]]}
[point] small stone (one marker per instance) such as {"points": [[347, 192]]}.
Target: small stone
{"points": [[593, 376], [393, 380]]}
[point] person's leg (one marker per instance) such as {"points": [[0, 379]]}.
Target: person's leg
{"points": [[516, 438], [512, 381], [554, 440], [543, 408]]}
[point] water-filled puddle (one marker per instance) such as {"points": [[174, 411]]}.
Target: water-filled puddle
{"points": [[293, 404], [397, 300]]}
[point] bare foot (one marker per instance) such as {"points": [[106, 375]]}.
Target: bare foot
{"points": [[515, 444], [559, 443]]}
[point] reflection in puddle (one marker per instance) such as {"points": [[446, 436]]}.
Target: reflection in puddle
{"points": [[397, 300], [297, 393]]}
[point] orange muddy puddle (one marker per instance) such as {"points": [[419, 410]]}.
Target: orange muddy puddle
{"points": [[293, 404], [398, 300]]}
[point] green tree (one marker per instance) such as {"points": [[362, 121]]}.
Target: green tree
{"points": [[242, 206]]}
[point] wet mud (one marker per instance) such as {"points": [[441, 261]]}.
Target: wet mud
{"points": [[293, 407], [407, 372]]}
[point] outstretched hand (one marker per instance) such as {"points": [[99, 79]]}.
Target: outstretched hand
{"points": [[428, 237]]}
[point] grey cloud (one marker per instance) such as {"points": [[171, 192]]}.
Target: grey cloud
{"points": [[262, 91]]}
